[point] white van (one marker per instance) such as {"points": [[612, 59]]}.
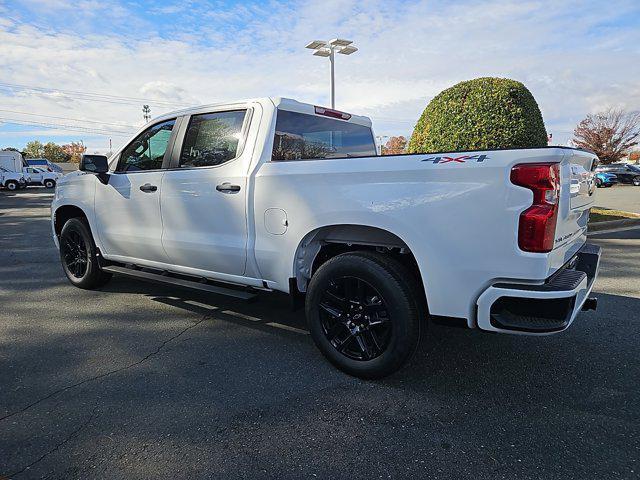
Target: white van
{"points": [[12, 176], [12, 161]]}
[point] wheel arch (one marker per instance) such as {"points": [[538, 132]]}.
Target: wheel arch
{"points": [[324, 243], [65, 212]]}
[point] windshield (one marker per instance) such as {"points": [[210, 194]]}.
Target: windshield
{"points": [[301, 136]]}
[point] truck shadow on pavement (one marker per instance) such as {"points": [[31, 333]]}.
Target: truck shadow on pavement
{"points": [[189, 374]]}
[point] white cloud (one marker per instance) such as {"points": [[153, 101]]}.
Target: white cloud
{"points": [[571, 55]]}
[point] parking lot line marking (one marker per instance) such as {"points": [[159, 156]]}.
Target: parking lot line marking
{"points": [[287, 327], [241, 315], [200, 304]]}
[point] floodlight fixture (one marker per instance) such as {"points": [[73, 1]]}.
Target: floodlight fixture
{"points": [[340, 42], [348, 50], [328, 49], [316, 44]]}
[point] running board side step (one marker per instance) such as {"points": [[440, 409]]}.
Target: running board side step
{"points": [[180, 282]]}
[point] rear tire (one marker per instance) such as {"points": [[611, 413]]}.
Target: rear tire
{"points": [[364, 313], [49, 183], [78, 255], [598, 183]]}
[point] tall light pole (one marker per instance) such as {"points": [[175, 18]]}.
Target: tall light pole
{"points": [[328, 49]]}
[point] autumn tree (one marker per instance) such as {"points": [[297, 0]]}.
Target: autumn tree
{"points": [[609, 134], [54, 153], [34, 149], [395, 146], [74, 151]]}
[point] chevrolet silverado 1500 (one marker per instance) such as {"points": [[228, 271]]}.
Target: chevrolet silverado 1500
{"points": [[273, 194]]}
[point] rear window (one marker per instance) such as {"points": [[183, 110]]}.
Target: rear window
{"points": [[300, 136]]}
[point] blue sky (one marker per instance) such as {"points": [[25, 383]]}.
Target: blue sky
{"points": [[576, 57]]}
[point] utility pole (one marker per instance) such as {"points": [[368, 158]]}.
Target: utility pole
{"points": [[328, 49], [146, 113]]}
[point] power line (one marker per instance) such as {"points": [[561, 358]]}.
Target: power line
{"points": [[72, 119], [92, 96], [73, 128]]}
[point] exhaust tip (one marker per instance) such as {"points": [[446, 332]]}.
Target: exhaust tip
{"points": [[590, 303]]}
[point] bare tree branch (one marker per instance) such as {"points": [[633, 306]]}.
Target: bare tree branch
{"points": [[609, 134]]}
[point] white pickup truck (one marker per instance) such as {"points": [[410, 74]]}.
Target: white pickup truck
{"points": [[273, 194], [40, 176]]}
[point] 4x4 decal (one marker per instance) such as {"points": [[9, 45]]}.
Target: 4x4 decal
{"points": [[460, 159]]}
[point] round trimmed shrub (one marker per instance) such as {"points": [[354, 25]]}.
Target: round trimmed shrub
{"points": [[480, 114]]}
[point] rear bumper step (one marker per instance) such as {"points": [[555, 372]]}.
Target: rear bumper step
{"points": [[542, 309], [180, 281]]}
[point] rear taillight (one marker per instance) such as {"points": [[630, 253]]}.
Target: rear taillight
{"points": [[537, 228]]}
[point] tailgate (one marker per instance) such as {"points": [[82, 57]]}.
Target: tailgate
{"points": [[576, 198], [582, 165]]}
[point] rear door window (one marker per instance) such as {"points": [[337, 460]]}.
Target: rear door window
{"points": [[212, 139], [301, 136]]}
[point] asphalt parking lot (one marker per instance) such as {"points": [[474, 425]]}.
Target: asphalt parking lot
{"points": [[619, 197], [143, 381]]}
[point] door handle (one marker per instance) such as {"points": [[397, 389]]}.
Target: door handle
{"points": [[147, 187], [226, 187]]}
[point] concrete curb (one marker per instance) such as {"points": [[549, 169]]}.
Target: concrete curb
{"points": [[627, 222]]}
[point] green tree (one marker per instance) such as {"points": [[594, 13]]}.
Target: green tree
{"points": [[54, 153], [33, 149], [484, 113]]}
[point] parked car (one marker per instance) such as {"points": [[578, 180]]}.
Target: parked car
{"points": [[605, 179], [44, 163], [273, 194], [12, 180], [40, 176], [625, 172]]}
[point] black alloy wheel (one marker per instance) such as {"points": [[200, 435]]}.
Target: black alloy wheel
{"points": [[355, 318], [78, 254], [364, 311], [75, 254]]}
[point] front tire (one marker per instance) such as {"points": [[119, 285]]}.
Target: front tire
{"points": [[49, 183], [598, 183], [636, 181], [364, 313], [11, 185], [78, 255]]}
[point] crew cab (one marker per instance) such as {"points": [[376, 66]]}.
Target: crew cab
{"points": [[276, 195]]}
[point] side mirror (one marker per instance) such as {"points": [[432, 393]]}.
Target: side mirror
{"points": [[94, 164]]}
